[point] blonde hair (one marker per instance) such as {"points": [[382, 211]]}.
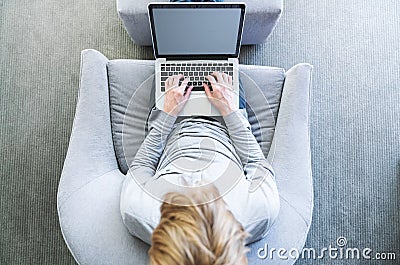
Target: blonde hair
{"points": [[192, 232]]}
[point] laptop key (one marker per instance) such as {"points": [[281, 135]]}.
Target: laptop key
{"points": [[198, 88]]}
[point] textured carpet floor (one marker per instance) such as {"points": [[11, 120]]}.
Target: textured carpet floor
{"points": [[355, 115]]}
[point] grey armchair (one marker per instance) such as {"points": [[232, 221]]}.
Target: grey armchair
{"points": [[90, 184]]}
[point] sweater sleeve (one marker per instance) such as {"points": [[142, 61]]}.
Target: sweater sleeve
{"points": [[246, 146], [145, 163]]}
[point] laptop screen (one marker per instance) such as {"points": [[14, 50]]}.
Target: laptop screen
{"points": [[179, 30]]}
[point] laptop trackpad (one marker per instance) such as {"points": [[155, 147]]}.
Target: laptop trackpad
{"points": [[198, 104]]}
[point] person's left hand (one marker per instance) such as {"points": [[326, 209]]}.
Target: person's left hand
{"points": [[222, 95], [175, 95]]}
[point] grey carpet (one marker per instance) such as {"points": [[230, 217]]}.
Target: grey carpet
{"points": [[355, 114]]}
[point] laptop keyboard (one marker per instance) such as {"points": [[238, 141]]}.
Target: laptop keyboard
{"points": [[196, 72]]}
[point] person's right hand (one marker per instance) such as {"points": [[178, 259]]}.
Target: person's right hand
{"points": [[222, 94], [176, 96]]}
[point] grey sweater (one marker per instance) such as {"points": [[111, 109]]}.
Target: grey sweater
{"points": [[200, 150]]}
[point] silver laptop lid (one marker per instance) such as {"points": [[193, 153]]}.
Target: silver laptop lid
{"points": [[196, 30]]}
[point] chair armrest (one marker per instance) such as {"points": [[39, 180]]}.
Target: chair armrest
{"points": [[291, 159], [92, 226], [290, 153], [90, 152]]}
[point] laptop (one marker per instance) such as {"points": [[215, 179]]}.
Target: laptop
{"points": [[196, 39]]}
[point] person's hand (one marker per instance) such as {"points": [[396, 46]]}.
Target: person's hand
{"points": [[175, 95], [222, 95]]}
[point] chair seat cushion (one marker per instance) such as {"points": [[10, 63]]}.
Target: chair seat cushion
{"points": [[131, 88]]}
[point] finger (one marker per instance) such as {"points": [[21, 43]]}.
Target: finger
{"points": [[169, 81], [179, 77], [211, 79], [220, 79], [225, 77], [207, 90], [176, 81], [230, 80], [184, 84], [188, 91]]}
